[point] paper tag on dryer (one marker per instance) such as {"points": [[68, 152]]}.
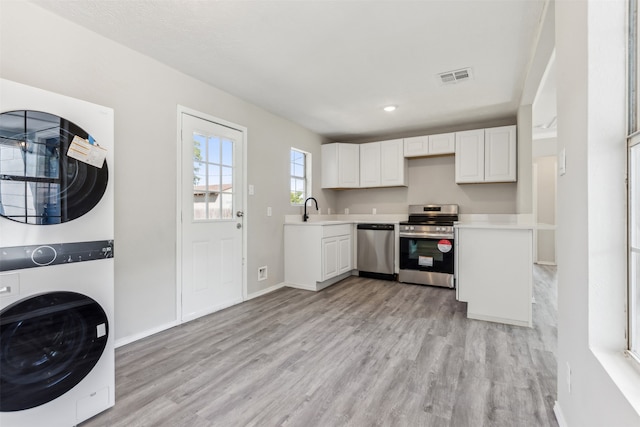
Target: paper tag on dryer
{"points": [[82, 150]]}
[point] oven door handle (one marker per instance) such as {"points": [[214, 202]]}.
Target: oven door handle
{"points": [[427, 235]]}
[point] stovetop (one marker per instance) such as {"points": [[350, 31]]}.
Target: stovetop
{"points": [[432, 215]]}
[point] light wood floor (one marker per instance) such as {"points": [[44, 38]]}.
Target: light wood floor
{"points": [[360, 353]]}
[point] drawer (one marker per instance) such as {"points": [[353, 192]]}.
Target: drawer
{"points": [[336, 230]]}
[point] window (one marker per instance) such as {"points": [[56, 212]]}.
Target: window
{"points": [[300, 176], [212, 177], [634, 184]]}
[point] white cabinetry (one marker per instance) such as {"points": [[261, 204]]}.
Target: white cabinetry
{"points": [[430, 145], [500, 154], [370, 164], [393, 165], [382, 164], [317, 255], [486, 155], [494, 272], [470, 156], [336, 256], [340, 165]]}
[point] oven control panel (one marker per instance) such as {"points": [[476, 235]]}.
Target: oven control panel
{"points": [[427, 229]]}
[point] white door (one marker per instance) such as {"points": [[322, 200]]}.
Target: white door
{"points": [[211, 211]]}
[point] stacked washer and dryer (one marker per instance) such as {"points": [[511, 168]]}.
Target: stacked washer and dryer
{"points": [[56, 258]]}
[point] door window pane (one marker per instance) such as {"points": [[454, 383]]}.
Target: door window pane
{"points": [[213, 171]]}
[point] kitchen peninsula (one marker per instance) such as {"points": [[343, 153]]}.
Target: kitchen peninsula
{"points": [[494, 270]]}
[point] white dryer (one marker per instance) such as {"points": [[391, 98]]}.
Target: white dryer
{"points": [[56, 258]]}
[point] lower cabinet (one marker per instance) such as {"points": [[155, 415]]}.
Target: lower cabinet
{"points": [[336, 256], [494, 273], [317, 255]]}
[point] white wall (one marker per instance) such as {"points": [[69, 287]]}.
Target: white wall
{"points": [[431, 180], [590, 59], [43, 50], [525, 164]]}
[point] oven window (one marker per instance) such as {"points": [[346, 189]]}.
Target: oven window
{"points": [[426, 254]]}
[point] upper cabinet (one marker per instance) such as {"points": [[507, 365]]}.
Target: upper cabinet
{"points": [[375, 164], [481, 155], [500, 154], [486, 155], [430, 145], [393, 165], [370, 164], [470, 156], [382, 164], [340, 165]]}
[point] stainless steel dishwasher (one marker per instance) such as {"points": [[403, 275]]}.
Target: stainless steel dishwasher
{"points": [[376, 251]]}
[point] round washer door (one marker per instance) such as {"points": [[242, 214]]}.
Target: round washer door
{"points": [[48, 344]]}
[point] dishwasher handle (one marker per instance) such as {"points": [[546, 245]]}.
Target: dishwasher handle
{"points": [[376, 227]]}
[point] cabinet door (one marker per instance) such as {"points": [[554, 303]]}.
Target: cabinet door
{"points": [[393, 165], [329, 160], [340, 165], [330, 252], [444, 143], [470, 156], [370, 164], [344, 254], [416, 146], [500, 154], [348, 165]]}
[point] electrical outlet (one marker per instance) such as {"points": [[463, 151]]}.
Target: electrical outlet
{"points": [[269, 211], [346, 211], [262, 273], [374, 211]]}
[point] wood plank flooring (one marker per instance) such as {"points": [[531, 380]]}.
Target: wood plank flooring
{"points": [[363, 352]]}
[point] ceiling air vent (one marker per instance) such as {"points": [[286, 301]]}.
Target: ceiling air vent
{"points": [[456, 76]]}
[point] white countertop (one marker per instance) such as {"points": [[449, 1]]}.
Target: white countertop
{"points": [[500, 225], [315, 219]]}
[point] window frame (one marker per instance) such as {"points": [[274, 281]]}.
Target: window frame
{"points": [[306, 178], [633, 169]]}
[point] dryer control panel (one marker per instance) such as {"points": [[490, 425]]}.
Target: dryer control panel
{"points": [[20, 257]]}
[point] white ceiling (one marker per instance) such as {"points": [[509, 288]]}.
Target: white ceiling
{"points": [[332, 65]]}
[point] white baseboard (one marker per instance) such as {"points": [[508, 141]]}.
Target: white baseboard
{"points": [[559, 416], [265, 291], [135, 337]]}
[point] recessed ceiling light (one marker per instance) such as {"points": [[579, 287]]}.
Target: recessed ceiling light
{"points": [[390, 108]]}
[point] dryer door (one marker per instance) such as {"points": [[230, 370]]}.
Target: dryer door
{"points": [[48, 344], [40, 183]]}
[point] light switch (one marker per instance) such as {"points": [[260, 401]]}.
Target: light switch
{"points": [[269, 211], [251, 190]]}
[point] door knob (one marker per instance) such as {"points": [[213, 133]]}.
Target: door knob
{"points": [[238, 225], [239, 214]]}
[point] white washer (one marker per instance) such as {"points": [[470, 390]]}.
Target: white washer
{"points": [[56, 288]]}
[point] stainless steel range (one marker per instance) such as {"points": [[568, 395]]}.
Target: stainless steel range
{"points": [[427, 245]]}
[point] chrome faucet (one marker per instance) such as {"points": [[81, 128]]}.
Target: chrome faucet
{"points": [[305, 217]]}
